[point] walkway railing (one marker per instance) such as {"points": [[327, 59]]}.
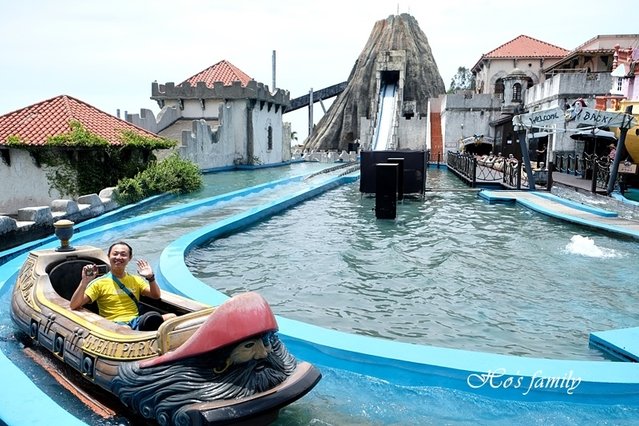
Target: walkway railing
{"points": [[464, 165], [475, 172], [569, 162], [590, 167], [601, 172], [512, 175]]}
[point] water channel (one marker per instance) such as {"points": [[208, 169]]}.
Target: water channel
{"points": [[451, 270]]}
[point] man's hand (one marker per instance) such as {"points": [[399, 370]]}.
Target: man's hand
{"points": [[153, 290], [144, 269]]}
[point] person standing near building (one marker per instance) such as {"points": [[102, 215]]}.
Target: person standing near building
{"points": [[541, 154]]}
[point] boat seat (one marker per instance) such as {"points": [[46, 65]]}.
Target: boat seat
{"points": [[66, 276]]}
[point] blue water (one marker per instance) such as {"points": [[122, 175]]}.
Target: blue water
{"points": [[451, 271], [345, 398]]}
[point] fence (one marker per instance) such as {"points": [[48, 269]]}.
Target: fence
{"points": [[487, 170]]}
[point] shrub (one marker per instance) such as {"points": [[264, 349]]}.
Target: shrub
{"points": [[128, 191], [173, 174]]}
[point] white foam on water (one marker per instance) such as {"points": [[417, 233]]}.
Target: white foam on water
{"points": [[585, 246]]}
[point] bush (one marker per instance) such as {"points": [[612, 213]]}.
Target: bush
{"points": [[173, 174], [128, 191]]}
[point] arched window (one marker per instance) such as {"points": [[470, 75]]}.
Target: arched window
{"points": [[516, 92], [269, 136], [529, 83], [499, 88]]}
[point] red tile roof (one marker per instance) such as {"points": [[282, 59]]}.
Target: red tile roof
{"points": [[35, 123], [223, 71], [526, 47]]}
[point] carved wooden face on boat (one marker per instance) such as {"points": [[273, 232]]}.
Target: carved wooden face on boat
{"points": [[257, 348], [255, 365]]}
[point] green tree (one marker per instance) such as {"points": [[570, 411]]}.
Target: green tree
{"points": [[463, 80]]}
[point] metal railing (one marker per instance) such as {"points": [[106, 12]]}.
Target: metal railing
{"points": [[464, 165], [588, 166], [569, 162], [601, 171], [512, 175], [474, 172]]}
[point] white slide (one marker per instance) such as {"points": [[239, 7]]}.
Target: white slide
{"points": [[386, 112]]}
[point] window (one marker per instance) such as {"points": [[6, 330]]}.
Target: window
{"points": [[619, 84], [516, 92], [269, 132]]}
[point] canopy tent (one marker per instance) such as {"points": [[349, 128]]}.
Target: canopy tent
{"points": [[596, 135], [596, 141]]}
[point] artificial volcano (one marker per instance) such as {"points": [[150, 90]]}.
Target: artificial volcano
{"points": [[398, 53]]}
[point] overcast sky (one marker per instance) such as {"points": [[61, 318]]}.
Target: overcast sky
{"points": [[107, 53]]}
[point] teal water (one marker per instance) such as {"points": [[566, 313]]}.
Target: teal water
{"points": [[451, 271], [632, 194]]}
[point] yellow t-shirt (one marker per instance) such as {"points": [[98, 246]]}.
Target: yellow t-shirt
{"points": [[114, 304]]}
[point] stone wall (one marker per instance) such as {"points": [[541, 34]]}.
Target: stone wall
{"points": [[411, 134], [253, 90], [467, 114], [147, 120], [30, 223], [21, 174]]}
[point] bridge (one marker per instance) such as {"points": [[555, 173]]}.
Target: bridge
{"points": [[316, 96], [313, 97]]}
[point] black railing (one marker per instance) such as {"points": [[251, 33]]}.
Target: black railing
{"points": [[464, 165], [588, 166], [601, 167], [512, 174], [477, 170], [569, 162]]}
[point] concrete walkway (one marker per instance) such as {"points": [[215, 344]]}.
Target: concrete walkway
{"points": [[576, 182], [567, 210]]}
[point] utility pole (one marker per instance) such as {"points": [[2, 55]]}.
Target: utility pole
{"points": [[274, 67], [310, 112]]}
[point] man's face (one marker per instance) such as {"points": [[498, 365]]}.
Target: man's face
{"points": [[119, 256]]}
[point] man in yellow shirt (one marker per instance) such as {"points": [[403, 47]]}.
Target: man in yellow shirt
{"points": [[118, 293]]}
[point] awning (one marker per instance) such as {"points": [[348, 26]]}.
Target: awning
{"points": [[594, 135]]}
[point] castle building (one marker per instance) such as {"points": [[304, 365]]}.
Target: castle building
{"points": [[222, 119]]}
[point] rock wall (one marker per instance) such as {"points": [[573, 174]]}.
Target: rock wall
{"points": [[340, 125]]}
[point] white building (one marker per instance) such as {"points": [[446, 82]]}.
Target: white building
{"points": [[222, 117]]}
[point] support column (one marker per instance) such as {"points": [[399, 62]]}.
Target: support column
{"points": [[310, 112], [386, 190], [621, 148], [524, 155]]}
